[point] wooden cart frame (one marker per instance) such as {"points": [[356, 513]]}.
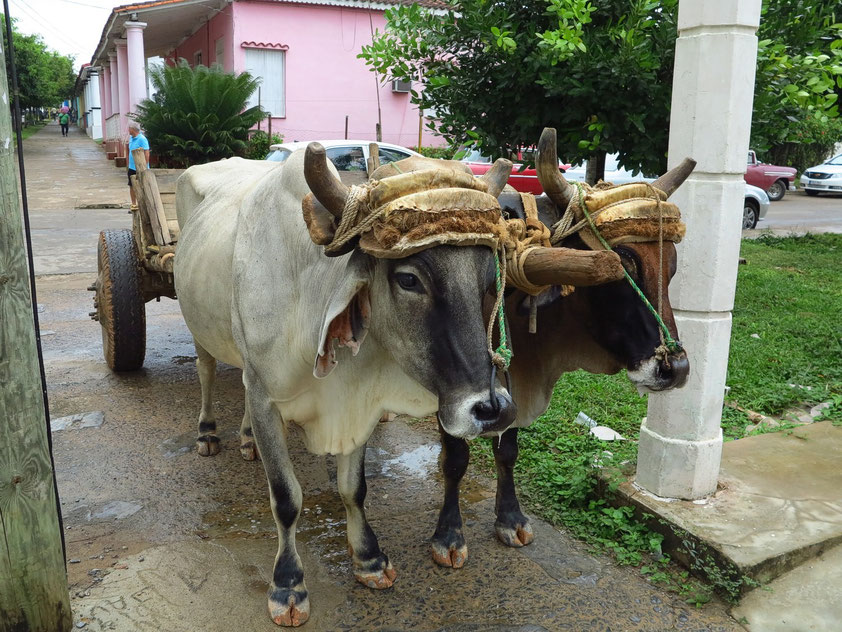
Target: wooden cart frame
{"points": [[135, 266]]}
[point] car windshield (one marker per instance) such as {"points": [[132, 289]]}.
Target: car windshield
{"points": [[278, 155], [835, 161], [472, 154]]}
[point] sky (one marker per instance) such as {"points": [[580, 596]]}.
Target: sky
{"points": [[71, 27]]}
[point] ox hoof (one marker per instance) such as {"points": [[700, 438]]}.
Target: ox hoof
{"points": [[516, 534], [453, 556], [289, 608], [207, 445], [249, 451], [378, 579]]}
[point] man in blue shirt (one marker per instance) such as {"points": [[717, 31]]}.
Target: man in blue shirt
{"points": [[137, 141]]}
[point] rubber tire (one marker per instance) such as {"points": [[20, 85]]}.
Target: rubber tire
{"points": [[777, 191], [120, 304], [811, 192], [751, 212]]}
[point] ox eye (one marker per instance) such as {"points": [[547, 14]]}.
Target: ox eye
{"points": [[408, 281]]}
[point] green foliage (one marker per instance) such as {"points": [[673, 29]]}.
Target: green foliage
{"points": [[258, 144], [198, 115], [441, 153], [45, 78], [814, 143], [599, 71], [799, 73]]}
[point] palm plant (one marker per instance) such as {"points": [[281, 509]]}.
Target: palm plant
{"points": [[198, 114]]}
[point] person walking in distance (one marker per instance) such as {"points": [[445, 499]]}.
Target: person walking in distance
{"points": [[136, 141], [64, 121]]}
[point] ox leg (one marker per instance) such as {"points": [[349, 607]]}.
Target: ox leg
{"points": [[448, 543], [371, 566], [248, 448], [207, 443], [512, 526], [289, 604]]}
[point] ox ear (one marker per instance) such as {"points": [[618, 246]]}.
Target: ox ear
{"points": [[346, 315]]}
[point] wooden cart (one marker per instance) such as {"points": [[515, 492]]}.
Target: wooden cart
{"points": [[135, 266]]}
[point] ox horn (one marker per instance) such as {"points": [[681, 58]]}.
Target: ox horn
{"points": [[567, 266], [559, 190], [327, 188], [497, 176], [674, 178]]}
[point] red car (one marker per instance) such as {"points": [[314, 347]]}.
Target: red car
{"points": [[771, 178], [525, 181]]}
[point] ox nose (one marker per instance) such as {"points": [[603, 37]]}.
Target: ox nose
{"points": [[496, 415], [675, 373]]}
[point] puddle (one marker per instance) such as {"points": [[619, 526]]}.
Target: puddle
{"points": [[80, 420], [114, 510], [420, 462], [177, 446]]}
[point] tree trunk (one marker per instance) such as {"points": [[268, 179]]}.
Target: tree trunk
{"points": [[596, 168], [33, 580]]}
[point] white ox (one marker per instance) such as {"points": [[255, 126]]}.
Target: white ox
{"points": [[258, 294]]}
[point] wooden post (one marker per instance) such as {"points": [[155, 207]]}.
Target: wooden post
{"points": [[149, 199], [33, 579], [346, 127], [373, 158]]}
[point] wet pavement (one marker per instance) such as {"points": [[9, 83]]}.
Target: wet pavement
{"points": [[159, 538]]}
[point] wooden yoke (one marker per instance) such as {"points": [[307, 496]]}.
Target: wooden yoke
{"points": [[567, 266], [149, 199], [373, 162]]}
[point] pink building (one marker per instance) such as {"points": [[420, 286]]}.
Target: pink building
{"points": [[305, 53]]}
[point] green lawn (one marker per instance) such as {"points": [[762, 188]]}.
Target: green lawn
{"points": [[29, 130], [789, 294]]}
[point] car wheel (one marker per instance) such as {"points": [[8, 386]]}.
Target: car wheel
{"points": [[751, 211], [811, 192], [777, 191]]}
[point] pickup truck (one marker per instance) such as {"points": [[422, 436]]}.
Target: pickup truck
{"points": [[771, 178]]}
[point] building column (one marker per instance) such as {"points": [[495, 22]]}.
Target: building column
{"points": [[136, 64], [123, 89], [114, 80], [105, 93], [94, 105], [713, 88]]}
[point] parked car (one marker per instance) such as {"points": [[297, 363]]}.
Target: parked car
{"points": [[522, 179], [755, 206], [771, 178], [824, 177], [350, 157]]}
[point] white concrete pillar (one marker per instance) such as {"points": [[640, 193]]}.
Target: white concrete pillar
{"points": [[136, 64], [94, 105], [104, 96], [114, 103], [713, 87], [123, 88]]}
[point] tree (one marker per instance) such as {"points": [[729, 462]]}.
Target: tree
{"points": [[45, 78], [600, 71], [198, 115]]}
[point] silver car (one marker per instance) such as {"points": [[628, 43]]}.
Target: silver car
{"points": [[825, 177], [756, 201]]}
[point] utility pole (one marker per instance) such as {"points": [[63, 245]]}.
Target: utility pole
{"points": [[33, 579]]}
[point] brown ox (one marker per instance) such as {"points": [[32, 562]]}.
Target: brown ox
{"points": [[600, 329]]}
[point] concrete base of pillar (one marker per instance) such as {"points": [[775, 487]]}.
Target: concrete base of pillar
{"points": [[778, 506], [120, 161], [678, 468], [111, 155]]}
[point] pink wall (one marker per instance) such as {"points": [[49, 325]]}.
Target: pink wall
{"points": [[204, 40], [324, 79]]}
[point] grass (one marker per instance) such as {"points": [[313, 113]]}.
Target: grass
{"points": [[787, 330], [29, 130]]}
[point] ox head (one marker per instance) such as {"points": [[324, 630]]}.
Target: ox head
{"points": [[425, 309], [619, 321]]}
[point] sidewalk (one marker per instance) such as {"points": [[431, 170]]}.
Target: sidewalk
{"points": [[63, 176]]}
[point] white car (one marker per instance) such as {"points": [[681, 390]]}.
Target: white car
{"points": [[824, 177], [350, 157], [755, 207]]}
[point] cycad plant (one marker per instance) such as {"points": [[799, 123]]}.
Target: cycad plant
{"points": [[198, 114]]}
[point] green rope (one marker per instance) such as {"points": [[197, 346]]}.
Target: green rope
{"points": [[673, 345], [503, 349]]}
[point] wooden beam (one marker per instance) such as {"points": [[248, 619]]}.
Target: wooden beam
{"points": [[149, 200], [33, 580]]}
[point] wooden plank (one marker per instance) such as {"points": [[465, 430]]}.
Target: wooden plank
{"points": [[33, 582], [152, 199]]}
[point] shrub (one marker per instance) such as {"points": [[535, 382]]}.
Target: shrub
{"points": [[442, 153], [814, 140], [258, 145], [198, 114]]}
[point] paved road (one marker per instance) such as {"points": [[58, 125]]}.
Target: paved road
{"points": [[799, 213], [162, 539]]}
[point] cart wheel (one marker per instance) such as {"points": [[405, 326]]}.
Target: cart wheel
{"points": [[119, 301]]}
